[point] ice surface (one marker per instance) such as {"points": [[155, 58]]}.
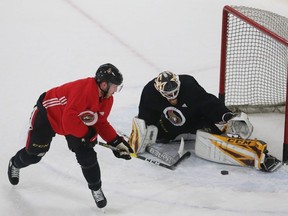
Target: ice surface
{"points": [[46, 43]]}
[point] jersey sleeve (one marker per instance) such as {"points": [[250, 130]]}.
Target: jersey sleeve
{"points": [[148, 107], [206, 104]]}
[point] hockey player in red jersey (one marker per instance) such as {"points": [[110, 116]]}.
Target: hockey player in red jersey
{"points": [[79, 111]]}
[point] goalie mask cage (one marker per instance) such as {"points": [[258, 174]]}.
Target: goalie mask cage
{"points": [[254, 62]]}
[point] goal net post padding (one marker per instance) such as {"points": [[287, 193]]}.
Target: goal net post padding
{"points": [[254, 62]]}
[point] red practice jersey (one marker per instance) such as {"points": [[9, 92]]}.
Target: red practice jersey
{"points": [[65, 103]]}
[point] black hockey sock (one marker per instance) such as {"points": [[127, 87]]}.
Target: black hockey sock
{"points": [[87, 158], [92, 176], [23, 159]]}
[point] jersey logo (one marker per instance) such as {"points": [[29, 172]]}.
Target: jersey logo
{"points": [[88, 117], [184, 105], [175, 116]]}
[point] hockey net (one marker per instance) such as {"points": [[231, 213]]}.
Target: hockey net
{"points": [[254, 62]]}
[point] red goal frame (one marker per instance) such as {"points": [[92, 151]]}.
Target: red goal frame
{"points": [[226, 11]]}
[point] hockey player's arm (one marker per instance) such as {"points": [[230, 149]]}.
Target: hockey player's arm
{"points": [[103, 127], [108, 133], [216, 111], [123, 149], [148, 106]]}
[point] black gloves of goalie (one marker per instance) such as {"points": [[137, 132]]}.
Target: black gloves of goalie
{"points": [[88, 141], [123, 148]]}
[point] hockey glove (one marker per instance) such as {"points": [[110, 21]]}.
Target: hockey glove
{"points": [[123, 148], [88, 141], [239, 126]]}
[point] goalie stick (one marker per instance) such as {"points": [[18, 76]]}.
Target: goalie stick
{"points": [[157, 163], [159, 154], [171, 141], [166, 157]]}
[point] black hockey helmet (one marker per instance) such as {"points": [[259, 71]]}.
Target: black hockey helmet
{"points": [[108, 73], [168, 84]]}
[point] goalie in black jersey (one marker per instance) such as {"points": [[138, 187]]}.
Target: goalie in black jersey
{"points": [[178, 104], [174, 104]]}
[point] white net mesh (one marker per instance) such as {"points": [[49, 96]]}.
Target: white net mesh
{"points": [[256, 63]]}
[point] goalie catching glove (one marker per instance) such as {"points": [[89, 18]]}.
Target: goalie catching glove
{"points": [[123, 148], [238, 125]]}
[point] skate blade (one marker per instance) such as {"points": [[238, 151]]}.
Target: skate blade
{"points": [[275, 166]]}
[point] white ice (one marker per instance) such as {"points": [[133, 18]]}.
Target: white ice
{"points": [[46, 43]]}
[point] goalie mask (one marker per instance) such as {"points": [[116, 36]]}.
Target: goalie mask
{"points": [[168, 84]]}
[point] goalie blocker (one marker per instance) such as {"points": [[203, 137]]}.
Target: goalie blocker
{"points": [[235, 151], [142, 135]]}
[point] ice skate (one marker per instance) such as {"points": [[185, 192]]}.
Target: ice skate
{"points": [[13, 173], [99, 198]]}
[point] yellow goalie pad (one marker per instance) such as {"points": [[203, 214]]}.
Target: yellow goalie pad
{"points": [[227, 150]]}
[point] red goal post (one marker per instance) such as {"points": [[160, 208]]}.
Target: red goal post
{"points": [[254, 62]]}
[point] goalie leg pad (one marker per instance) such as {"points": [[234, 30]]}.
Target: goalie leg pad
{"points": [[142, 135], [227, 150]]}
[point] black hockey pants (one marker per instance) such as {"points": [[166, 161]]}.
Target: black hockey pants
{"points": [[87, 158], [40, 135], [38, 143]]}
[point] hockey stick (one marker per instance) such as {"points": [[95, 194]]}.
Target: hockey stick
{"points": [[171, 141], [162, 155], [166, 157], [157, 163]]}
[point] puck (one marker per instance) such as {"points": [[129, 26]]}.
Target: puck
{"points": [[224, 172]]}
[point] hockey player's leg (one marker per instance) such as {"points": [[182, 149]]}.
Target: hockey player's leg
{"points": [[87, 158], [38, 143], [235, 151], [20, 160], [13, 172]]}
